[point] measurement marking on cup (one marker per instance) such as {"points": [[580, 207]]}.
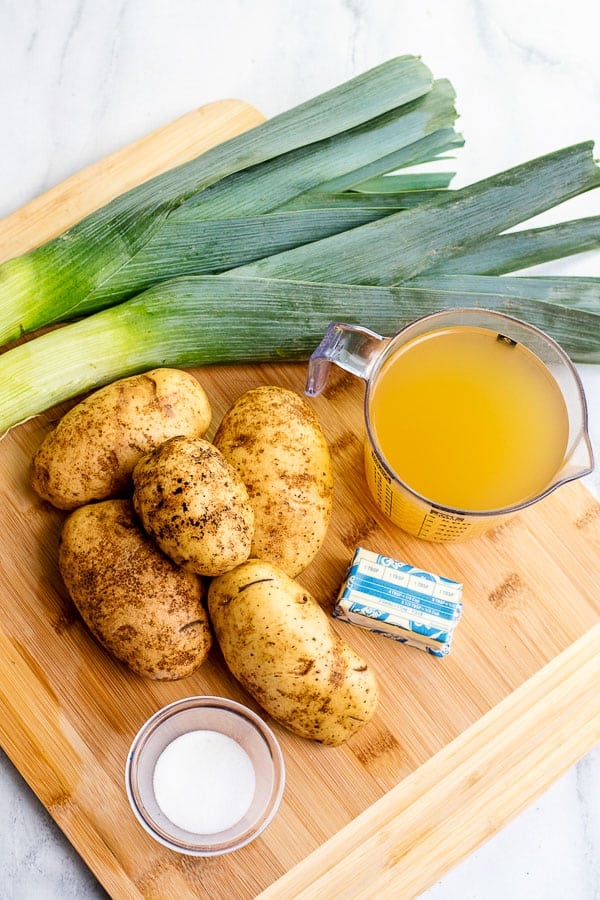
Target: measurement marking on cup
{"points": [[443, 525], [383, 487], [388, 500]]}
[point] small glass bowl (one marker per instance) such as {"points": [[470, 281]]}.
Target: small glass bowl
{"points": [[215, 714]]}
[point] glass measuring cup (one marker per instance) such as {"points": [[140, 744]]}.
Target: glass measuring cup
{"points": [[370, 356]]}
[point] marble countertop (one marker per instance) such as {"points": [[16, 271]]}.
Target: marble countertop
{"points": [[81, 79]]}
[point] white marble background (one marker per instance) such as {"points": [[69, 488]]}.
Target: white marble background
{"points": [[79, 79]]}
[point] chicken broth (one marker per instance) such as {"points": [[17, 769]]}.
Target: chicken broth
{"points": [[469, 419]]}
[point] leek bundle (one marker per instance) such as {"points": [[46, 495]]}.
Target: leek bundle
{"points": [[248, 253]]}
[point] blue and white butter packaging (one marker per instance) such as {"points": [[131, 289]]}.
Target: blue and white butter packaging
{"points": [[400, 601]]}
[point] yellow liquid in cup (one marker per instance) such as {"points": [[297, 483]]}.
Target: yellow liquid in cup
{"points": [[469, 420]]}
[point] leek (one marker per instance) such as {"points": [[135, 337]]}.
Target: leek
{"points": [[54, 280], [224, 319], [190, 236]]}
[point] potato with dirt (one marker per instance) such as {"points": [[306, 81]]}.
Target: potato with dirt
{"points": [[279, 643], [274, 440], [194, 505], [91, 453], [145, 610]]}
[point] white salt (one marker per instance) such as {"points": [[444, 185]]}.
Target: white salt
{"points": [[204, 782]]}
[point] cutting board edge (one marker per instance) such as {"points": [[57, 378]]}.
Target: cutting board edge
{"points": [[374, 849]]}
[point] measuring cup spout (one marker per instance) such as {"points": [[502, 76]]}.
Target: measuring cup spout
{"points": [[350, 347], [579, 463]]}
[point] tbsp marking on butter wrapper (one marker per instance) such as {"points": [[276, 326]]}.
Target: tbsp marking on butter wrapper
{"points": [[400, 601]]}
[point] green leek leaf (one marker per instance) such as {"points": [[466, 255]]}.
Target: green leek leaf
{"points": [[403, 183], [524, 248], [397, 247]]}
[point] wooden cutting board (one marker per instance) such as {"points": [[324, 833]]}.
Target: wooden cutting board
{"points": [[458, 745]]}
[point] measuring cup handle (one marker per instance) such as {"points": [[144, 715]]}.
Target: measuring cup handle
{"points": [[350, 347]]}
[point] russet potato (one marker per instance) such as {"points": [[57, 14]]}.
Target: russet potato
{"points": [[280, 645], [274, 440], [194, 505], [91, 453], [138, 604]]}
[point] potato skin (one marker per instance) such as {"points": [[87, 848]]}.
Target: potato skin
{"points": [[279, 643], [194, 505], [91, 453], [138, 604], [274, 440]]}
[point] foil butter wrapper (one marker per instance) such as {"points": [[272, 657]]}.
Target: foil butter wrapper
{"points": [[400, 601]]}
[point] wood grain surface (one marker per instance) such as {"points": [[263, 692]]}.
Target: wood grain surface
{"points": [[457, 746]]}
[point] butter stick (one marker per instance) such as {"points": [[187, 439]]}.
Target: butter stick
{"points": [[400, 601]]}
